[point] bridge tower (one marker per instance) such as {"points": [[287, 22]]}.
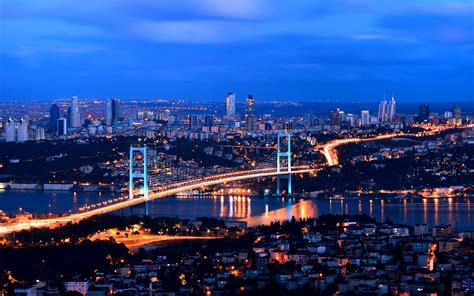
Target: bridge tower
{"points": [[284, 159], [138, 169]]}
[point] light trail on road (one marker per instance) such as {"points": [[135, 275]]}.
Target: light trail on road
{"points": [[331, 156]]}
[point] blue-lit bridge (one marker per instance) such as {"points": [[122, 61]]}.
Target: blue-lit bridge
{"points": [[283, 167]]}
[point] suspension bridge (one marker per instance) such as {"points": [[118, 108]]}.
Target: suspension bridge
{"points": [[164, 185], [277, 165]]}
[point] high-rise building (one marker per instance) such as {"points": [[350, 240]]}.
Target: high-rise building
{"points": [[382, 115], [336, 117], [391, 110], [62, 127], [10, 131], [113, 111], [457, 111], [53, 118], [250, 119], [350, 119], [250, 122], [39, 134], [250, 105], [22, 131], [365, 117], [209, 120], [75, 115], [193, 121], [145, 115], [230, 104], [309, 118], [423, 112]]}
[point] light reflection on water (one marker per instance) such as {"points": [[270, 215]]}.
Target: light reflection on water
{"points": [[258, 210], [264, 210], [431, 212]]}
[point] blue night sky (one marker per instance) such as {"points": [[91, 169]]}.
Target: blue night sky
{"points": [[346, 50]]}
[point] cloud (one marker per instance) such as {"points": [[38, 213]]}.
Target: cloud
{"points": [[182, 45], [446, 23], [180, 32]]}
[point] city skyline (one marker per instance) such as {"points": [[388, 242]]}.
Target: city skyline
{"points": [[326, 50]]}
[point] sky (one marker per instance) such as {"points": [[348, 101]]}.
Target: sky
{"points": [[333, 50]]}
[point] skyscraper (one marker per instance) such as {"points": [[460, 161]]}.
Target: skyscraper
{"points": [[209, 120], [382, 115], [365, 117], [309, 118], [113, 111], [391, 110], [39, 134], [53, 118], [423, 112], [336, 117], [10, 130], [230, 104], [250, 113], [457, 111], [75, 115], [23, 131], [250, 105], [62, 127], [193, 121]]}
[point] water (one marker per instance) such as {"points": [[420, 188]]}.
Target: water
{"points": [[258, 210], [47, 201]]}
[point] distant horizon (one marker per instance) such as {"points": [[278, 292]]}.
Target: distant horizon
{"points": [[241, 99]]}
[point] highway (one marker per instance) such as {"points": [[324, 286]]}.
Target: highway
{"points": [[330, 154]]}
